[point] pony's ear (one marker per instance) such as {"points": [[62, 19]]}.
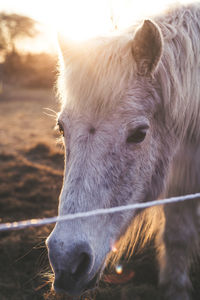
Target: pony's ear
{"points": [[67, 48], [147, 47], [62, 43]]}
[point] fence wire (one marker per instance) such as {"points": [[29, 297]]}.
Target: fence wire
{"points": [[17, 225]]}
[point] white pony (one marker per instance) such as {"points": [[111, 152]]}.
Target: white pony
{"points": [[130, 120]]}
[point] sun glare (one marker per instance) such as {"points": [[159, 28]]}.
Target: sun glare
{"points": [[79, 20], [119, 269]]}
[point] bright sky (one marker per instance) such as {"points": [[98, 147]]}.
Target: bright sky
{"points": [[80, 19]]}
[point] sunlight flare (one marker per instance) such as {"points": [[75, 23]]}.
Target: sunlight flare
{"points": [[119, 269], [114, 249], [80, 20]]}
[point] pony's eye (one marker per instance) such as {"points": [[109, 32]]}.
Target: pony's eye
{"points": [[60, 127], [137, 135]]}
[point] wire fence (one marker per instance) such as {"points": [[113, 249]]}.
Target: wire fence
{"points": [[17, 225]]}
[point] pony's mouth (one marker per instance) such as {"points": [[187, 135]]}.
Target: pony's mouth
{"points": [[93, 283], [77, 289]]}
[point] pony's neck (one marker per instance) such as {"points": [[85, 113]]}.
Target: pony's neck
{"points": [[184, 175]]}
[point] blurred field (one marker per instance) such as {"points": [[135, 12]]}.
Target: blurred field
{"points": [[30, 179], [31, 167]]}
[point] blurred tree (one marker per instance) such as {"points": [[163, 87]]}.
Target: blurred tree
{"points": [[14, 27], [2, 40]]}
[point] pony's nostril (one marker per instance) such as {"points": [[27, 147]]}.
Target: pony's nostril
{"points": [[81, 266], [72, 267]]}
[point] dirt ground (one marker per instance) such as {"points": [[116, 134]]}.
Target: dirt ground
{"points": [[31, 167]]}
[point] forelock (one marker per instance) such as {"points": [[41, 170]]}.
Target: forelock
{"points": [[97, 74]]}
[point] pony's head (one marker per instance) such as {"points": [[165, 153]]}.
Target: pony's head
{"points": [[118, 147]]}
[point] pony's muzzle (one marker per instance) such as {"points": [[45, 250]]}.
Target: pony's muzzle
{"points": [[71, 266]]}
